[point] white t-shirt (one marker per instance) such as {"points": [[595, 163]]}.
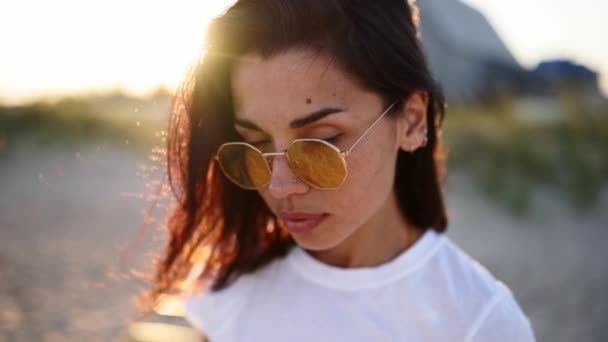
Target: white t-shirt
{"points": [[432, 291]]}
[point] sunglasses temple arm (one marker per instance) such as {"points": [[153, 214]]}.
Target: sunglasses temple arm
{"points": [[369, 129]]}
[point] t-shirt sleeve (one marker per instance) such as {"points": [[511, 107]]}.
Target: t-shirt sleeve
{"points": [[199, 312], [214, 314], [502, 320]]}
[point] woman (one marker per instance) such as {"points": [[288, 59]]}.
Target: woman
{"points": [[307, 165]]}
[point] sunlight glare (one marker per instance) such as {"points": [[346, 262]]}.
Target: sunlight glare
{"points": [[69, 46]]}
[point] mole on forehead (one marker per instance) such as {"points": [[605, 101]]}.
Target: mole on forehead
{"points": [[308, 100]]}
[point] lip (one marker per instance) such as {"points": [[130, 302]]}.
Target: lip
{"points": [[301, 222]]}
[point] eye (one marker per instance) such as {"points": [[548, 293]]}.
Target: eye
{"points": [[258, 143], [333, 139]]}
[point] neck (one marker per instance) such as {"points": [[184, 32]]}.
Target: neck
{"points": [[382, 238]]}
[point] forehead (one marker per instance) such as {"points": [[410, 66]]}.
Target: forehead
{"points": [[288, 85]]}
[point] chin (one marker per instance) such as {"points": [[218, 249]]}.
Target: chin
{"points": [[317, 243], [313, 245]]}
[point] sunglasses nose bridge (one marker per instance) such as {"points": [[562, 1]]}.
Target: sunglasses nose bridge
{"points": [[271, 157], [282, 174]]}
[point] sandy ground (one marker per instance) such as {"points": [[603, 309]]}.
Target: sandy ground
{"points": [[554, 261], [65, 213]]}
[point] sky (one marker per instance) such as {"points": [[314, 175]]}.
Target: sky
{"points": [[535, 30], [52, 48]]}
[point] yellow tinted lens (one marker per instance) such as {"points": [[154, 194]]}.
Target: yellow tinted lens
{"points": [[244, 165], [317, 163]]}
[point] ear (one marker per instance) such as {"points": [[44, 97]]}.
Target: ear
{"points": [[413, 116]]}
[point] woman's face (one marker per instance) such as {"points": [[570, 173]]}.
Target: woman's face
{"points": [[272, 93]]}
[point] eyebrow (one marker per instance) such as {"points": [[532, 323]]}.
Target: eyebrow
{"points": [[297, 123]]}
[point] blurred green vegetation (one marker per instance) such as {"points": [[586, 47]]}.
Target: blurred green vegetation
{"points": [[79, 120], [508, 154], [511, 154]]}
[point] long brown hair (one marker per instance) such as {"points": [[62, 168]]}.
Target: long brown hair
{"points": [[377, 42]]}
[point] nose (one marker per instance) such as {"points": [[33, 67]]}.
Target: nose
{"points": [[282, 182]]}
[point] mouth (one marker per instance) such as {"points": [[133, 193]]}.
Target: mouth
{"points": [[300, 222]]}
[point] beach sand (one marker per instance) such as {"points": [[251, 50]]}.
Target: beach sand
{"points": [[66, 213]]}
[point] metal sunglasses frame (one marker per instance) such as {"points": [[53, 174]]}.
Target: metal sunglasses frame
{"points": [[342, 154]]}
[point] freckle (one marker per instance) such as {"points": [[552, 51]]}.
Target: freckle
{"points": [[333, 94], [308, 100]]}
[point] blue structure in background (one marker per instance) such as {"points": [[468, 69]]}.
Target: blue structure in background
{"points": [[562, 69], [473, 63]]}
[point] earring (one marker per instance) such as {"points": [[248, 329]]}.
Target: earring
{"points": [[425, 138], [295, 180]]}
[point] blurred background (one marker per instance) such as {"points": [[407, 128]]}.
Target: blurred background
{"points": [[85, 88]]}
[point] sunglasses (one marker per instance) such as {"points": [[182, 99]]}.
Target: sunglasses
{"points": [[314, 161]]}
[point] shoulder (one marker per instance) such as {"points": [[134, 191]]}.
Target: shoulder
{"points": [[462, 280], [501, 319], [211, 312], [214, 312], [487, 305]]}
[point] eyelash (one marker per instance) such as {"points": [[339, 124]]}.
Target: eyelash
{"points": [[331, 140], [257, 143]]}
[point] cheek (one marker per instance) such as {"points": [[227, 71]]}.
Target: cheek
{"points": [[373, 165], [370, 178]]}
